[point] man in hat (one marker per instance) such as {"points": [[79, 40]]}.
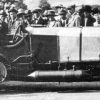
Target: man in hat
{"points": [[51, 18], [62, 22], [59, 8], [86, 18], [73, 17], [20, 23], [12, 20], [28, 17], [36, 17]]}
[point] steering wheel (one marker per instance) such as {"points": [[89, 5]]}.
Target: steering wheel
{"points": [[17, 35], [16, 38]]}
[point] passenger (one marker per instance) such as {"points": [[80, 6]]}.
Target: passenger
{"points": [[73, 17], [36, 17], [96, 16], [86, 18], [12, 20], [51, 18], [63, 21]]}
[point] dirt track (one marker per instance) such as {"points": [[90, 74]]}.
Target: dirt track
{"points": [[15, 90]]}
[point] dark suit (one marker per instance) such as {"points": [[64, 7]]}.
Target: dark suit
{"points": [[61, 23], [90, 21], [38, 21]]}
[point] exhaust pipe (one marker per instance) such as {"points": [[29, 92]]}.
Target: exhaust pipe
{"points": [[56, 76]]}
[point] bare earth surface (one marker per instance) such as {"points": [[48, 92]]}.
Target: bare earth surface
{"points": [[15, 90]]}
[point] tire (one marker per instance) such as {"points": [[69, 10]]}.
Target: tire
{"points": [[3, 72]]}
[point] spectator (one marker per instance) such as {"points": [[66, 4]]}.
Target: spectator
{"points": [[51, 19], [28, 17], [62, 22], [87, 19], [73, 17], [37, 17], [96, 16]]}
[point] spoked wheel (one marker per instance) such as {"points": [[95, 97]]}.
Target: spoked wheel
{"points": [[3, 72]]}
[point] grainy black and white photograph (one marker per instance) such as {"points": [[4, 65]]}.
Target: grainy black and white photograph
{"points": [[49, 49]]}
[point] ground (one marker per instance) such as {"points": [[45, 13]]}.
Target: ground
{"points": [[15, 90]]}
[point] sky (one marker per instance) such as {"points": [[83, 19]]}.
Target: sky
{"points": [[32, 4]]}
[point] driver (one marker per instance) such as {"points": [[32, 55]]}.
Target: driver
{"points": [[20, 24], [17, 23], [12, 20]]}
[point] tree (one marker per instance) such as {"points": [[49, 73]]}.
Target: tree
{"points": [[44, 5]]}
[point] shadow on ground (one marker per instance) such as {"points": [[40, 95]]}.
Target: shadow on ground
{"points": [[16, 87]]}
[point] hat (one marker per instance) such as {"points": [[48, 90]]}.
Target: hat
{"points": [[3, 1], [28, 13], [59, 6], [62, 12], [7, 6], [87, 8], [13, 6], [12, 10], [95, 10], [21, 12], [45, 13], [51, 13], [37, 10], [2, 12], [72, 6]]}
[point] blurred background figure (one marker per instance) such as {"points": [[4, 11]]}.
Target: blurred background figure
{"points": [[3, 27], [1, 5], [96, 15], [3, 15]]}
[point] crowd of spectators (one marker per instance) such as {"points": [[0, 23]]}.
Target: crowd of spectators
{"points": [[13, 19]]}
